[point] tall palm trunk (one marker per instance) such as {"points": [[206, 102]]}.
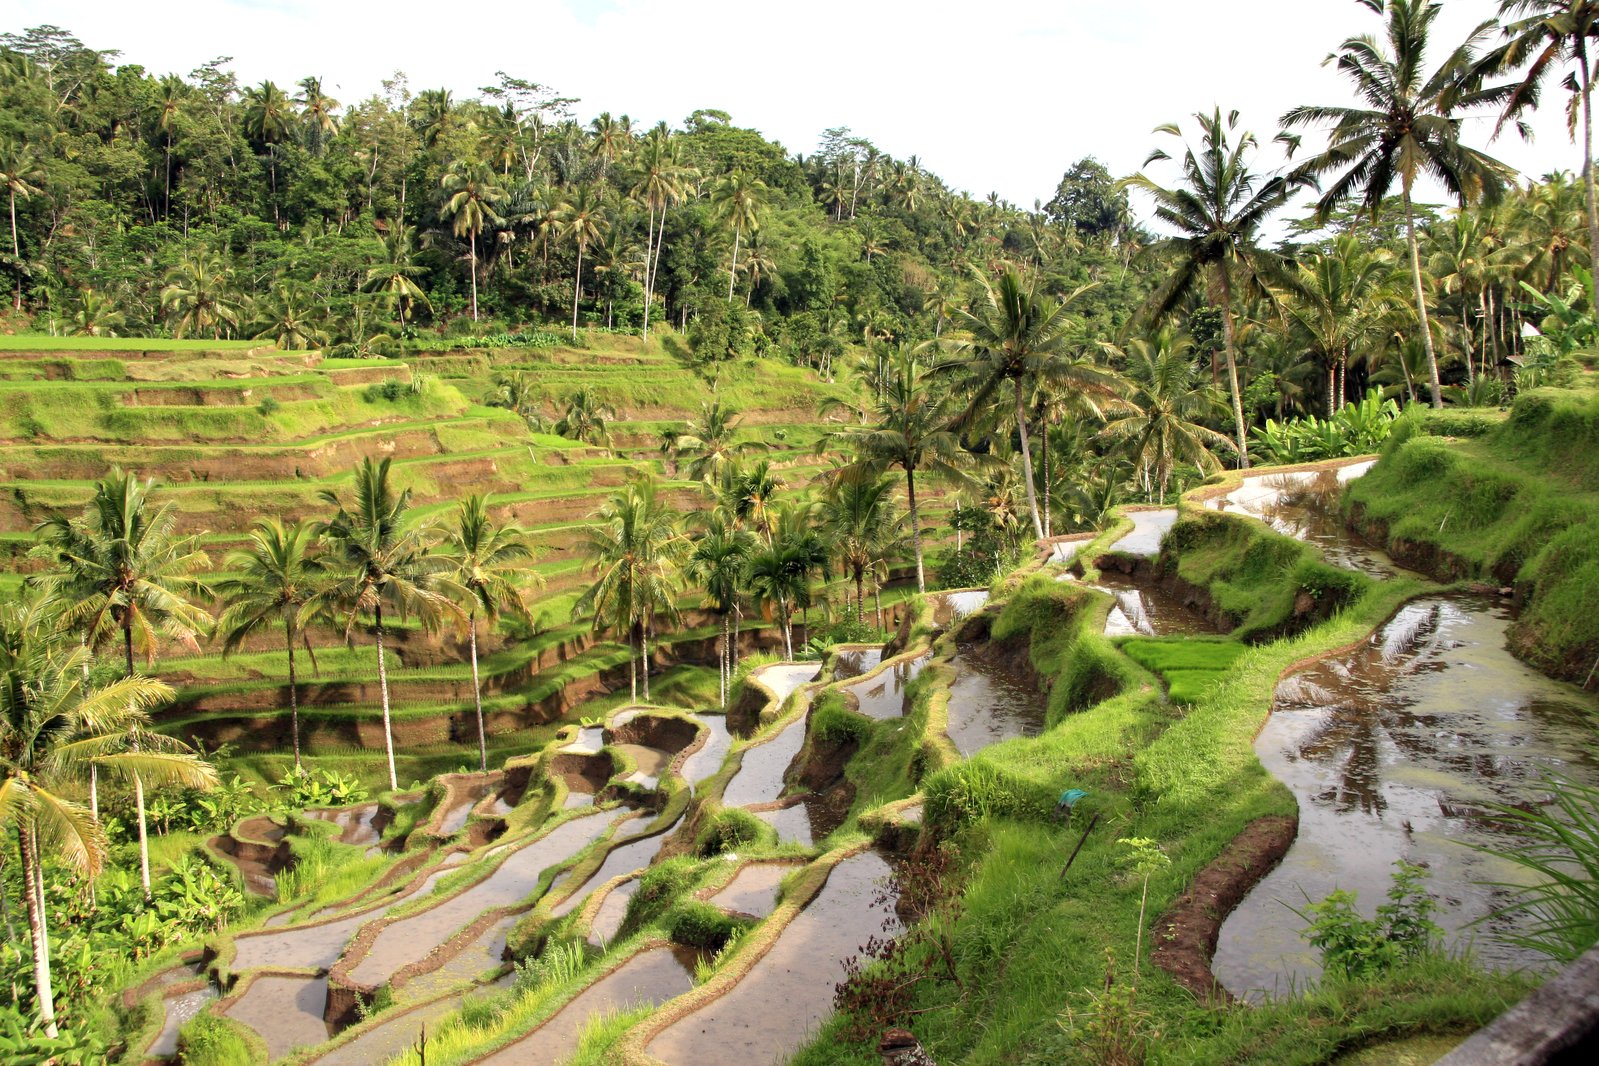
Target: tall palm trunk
{"points": [[860, 596], [722, 661], [138, 782], [732, 271], [577, 286], [649, 276], [294, 694], [1421, 300], [32, 882], [477, 695], [644, 653], [877, 595], [383, 689], [632, 660], [472, 236], [916, 527], [1587, 153], [1043, 445], [1230, 344], [16, 249], [1027, 464]]}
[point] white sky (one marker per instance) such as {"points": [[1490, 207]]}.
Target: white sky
{"points": [[1000, 96]]}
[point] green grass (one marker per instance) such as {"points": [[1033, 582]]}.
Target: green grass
{"points": [[1189, 665], [27, 342]]}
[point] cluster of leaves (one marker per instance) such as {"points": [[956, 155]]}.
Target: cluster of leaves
{"points": [[1355, 947], [1358, 429], [300, 788]]}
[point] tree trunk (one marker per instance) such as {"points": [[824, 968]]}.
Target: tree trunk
{"points": [[649, 277], [477, 696], [16, 249], [294, 695], [877, 595], [383, 689], [1027, 463], [1043, 445], [721, 664], [144, 837], [1587, 154], [577, 285], [1421, 301], [788, 632], [732, 271], [644, 652], [1332, 388], [860, 597], [1230, 345], [632, 660], [37, 932], [916, 527], [473, 237]]}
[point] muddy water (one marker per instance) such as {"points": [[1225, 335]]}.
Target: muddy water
{"points": [[804, 823], [1392, 752], [1145, 608], [413, 937], [590, 739], [394, 1033], [285, 1011], [754, 889], [987, 703], [708, 759], [951, 607], [180, 1008], [883, 696], [1149, 529], [650, 977], [301, 947], [463, 800], [355, 823], [1304, 505], [789, 990], [784, 678], [651, 763], [485, 952], [613, 911], [1064, 553], [760, 776], [853, 662], [623, 859], [574, 800]]}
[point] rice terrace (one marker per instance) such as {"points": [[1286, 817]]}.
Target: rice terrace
{"points": [[488, 580]]}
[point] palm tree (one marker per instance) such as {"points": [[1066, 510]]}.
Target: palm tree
{"points": [[582, 221], [93, 314], [19, 173], [485, 562], [472, 191], [779, 577], [121, 568], [200, 295], [291, 317], [1170, 400], [1019, 339], [1410, 126], [51, 724], [317, 113], [860, 522], [754, 498], [395, 275], [661, 183], [164, 110], [909, 428], [1549, 36], [632, 547], [585, 417], [1218, 211], [739, 199], [275, 581], [717, 564], [266, 121], [1339, 297], [383, 557], [710, 444]]}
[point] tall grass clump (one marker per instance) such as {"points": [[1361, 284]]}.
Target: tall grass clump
{"points": [[1561, 850]]}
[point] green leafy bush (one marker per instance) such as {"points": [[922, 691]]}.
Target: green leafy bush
{"points": [[1358, 429], [728, 830], [1359, 948]]}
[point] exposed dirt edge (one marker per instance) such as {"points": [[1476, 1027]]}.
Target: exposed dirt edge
{"points": [[1188, 930]]}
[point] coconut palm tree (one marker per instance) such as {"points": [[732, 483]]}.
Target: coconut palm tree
{"points": [[779, 578], [20, 173], [738, 198], [861, 523], [581, 220], [486, 562], [275, 581], [717, 564], [200, 295], [381, 557], [1218, 211], [1018, 339], [120, 569], [662, 181], [1339, 299], [52, 724], [267, 114], [709, 443], [1170, 401], [632, 546], [395, 275], [754, 498], [908, 428], [1410, 126], [1551, 37], [292, 318], [317, 114], [472, 191], [164, 110], [585, 417]]}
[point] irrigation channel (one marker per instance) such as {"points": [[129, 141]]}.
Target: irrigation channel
{"points": [[1398, 750]]}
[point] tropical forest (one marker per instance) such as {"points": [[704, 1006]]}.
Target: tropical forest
{"points": [[486, 581]]}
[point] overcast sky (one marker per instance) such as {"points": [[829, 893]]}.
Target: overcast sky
{"points": [[1000, 96]]}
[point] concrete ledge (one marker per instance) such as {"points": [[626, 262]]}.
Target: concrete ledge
{"points": [[1561, 1017]]}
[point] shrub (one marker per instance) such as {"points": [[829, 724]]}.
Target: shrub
{"points": [[268, 406], [1360, 948], [698, 924], [833, 723], [390, 391], [728, 830], [210, 1040]]}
